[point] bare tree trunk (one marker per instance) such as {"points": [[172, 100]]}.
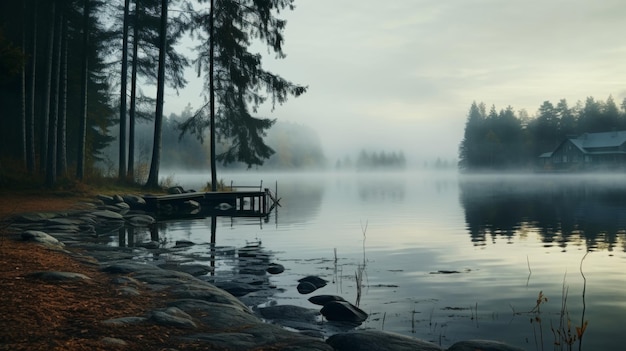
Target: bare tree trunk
{"points": [[51, 166], [212, 95], [23, 86], [82, 130], [153, 177], [46, 110], [30, 127], [133, 98], [123, 92], [62, 128]]}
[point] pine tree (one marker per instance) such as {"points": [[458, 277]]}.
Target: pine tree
{"points": [[237, 84]]}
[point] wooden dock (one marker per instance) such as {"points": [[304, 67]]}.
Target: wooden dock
{"points": [[247, 203]]}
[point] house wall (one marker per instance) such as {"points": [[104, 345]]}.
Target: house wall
{"points": [[567, 155]]}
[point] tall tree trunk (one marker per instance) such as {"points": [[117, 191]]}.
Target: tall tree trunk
{"points": [[51, 166], [23, 87], [82, 130], [46, 110], [212, 95], [30, 115], [153, 177], [122, 154], [62, 128], [133, 98]]}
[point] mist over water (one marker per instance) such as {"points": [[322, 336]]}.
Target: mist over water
{"points": [[447, 256]]}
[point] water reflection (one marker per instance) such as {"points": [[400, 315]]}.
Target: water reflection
{"points": [[392, 189], [562, 210]]}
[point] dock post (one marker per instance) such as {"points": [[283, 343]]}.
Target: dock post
{"points": [[265, 200]]}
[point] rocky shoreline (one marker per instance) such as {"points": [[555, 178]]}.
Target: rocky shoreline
{"points": [[197, 304]]}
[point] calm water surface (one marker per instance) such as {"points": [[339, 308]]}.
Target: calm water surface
{"points": [[446, 257]]}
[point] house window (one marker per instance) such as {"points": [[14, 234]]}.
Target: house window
{"points": [[564, 158]]}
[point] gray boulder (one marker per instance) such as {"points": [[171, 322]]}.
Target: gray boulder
{"points": [[108, 215], [289, 312], [324, 299], [482, 345], [275, 268], [343, 311], [316, 281], [306, 288], [42, 238], [374, 340], [173, 317]]}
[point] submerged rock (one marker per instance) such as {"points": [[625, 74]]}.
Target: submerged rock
{"points": [[343, 311], [374, 340], [324, 299], [275, 268], [483, 345], [315, 280], [306, 288]]}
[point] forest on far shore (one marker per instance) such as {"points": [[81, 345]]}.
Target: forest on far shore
{"points": [[507, 139], [297, 147]]}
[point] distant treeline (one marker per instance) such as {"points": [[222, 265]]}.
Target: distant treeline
{"points": [[296, 146], [374, 160], [508, 140]]}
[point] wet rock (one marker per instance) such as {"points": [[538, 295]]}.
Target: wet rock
{"points": [[343, 311], [140, 220], [108, 215], [316, 281], [193, 269], [175, 190], [151, 245], [374, 340], [289, 312], [183, 243], [275, 268], [483, 345], [324, 299], [106, 199], [306, 288], [122, 206], [64, 221], [237, 289], [135, 202], [64, 228], [34, 217], [260, 336]]}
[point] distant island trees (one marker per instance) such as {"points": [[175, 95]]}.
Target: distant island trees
{"points": [[506, 139], [374, 161]]}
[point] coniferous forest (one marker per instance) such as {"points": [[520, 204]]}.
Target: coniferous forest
{"points": [[510, 140], [73, 76]]}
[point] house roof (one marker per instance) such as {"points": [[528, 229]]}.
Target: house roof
{"points": [[589, 141]]}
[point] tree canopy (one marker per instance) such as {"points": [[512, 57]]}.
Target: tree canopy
{"points": [[506, 139], [60, 107], [241, 83]]}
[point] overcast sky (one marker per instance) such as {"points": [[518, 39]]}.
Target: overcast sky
{"points": [[402, 74]]}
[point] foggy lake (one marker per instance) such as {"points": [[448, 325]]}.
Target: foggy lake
{"points": [[447, 257]]}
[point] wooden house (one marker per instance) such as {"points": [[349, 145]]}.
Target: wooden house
{"points": [[589, 151]]}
